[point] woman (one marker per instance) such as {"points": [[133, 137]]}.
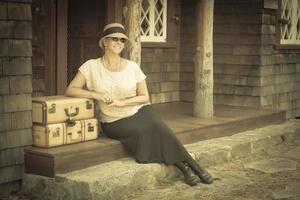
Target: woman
{"points": [[119, 87]]}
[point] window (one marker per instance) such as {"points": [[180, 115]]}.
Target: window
{"points": [[154, 21], [289, 22]]}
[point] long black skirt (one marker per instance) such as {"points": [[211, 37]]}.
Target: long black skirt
{"points": [[147, 138]]}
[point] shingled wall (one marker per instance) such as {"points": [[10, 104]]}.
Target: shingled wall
{"points": [[249, 70], [38, 47], [187, 49], [280, 68], [15, 90], [237, 49], [237, 52], [161, 64]]}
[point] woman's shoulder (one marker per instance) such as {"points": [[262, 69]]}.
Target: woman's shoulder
{"points": [[91, 62], [131, 63]]}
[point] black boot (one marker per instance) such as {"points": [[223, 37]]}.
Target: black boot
{"points": [[199, 171], [189, 177]]}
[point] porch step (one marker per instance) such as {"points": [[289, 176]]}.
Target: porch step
{"points": [[117, 180], [49, 161], [227, 121]]}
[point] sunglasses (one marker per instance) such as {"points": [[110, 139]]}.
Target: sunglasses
{"points": [[116, 39]]}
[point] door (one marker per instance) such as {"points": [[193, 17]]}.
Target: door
{"points": [[85, 24], [65, 34]]}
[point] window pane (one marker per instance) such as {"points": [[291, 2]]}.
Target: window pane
{"points": [[289, 22], [158, 31], [153, 20], [298, 22], [286, 14], [145, 27]]}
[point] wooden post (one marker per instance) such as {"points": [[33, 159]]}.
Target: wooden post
{"points": [[132, 12], [203, 99], [114, 11]]}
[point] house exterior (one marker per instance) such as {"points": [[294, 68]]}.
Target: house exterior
{"points": [[15, 90], [256, 57]]}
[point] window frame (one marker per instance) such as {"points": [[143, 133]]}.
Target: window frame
{"points": [[279, 44], [172, 22], [153, 38]]}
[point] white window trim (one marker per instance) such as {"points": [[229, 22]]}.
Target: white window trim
{"points": [[152, 37], [293, 21]]}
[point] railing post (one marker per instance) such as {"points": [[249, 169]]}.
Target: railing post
{"points": [[203, 99], [132, 12]]}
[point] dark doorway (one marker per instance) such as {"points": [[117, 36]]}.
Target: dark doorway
{"points": [[85, 23]]}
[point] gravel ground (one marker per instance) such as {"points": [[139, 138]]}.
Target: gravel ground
{"points": [[236, 182]]}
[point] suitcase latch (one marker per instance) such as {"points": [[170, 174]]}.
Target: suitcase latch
{"points": [[52, 109], [56, 133], [89, 105], [90, 127], [70, 122]]}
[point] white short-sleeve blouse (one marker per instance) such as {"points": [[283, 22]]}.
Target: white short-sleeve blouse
{"points": [[120, 85]]}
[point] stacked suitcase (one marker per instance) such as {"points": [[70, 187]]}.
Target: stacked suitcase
{"points": [[60, 120]]}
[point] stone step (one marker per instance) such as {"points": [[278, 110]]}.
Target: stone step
{"points": [[121, 178], [227, 121]]}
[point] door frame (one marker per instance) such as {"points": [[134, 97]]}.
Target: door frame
{"points": [[57, 42], [61, 46], [50, 47]]}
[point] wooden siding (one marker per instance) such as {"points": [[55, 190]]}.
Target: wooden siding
{"points": [[161, 67], [38, 48], [15, 90], [248, 69], [187, 49], [237, 50], [161, 64], [280, 68]]}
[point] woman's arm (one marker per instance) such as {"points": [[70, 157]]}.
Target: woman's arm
{"points": [[142, 96], [75, 89]]}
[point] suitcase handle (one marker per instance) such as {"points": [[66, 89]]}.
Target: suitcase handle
{"points": [[72, 114]]}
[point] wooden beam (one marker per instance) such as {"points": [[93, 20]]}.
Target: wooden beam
{"points": [[118, 11], [62, 46], [50, 47], [132, 12], [114, 11], [203, 100]]}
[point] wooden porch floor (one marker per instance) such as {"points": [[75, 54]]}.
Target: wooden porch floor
{"points": [[227, 121]]}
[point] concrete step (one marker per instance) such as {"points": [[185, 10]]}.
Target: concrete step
{"points": [[228, 120], [121, 178]]}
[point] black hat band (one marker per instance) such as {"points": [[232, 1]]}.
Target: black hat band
{"points": [[114, 30]]}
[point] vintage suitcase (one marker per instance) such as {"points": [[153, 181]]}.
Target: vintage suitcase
{"points": [[58, 134], [55, 109]]}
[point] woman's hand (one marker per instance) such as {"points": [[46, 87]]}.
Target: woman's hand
{"points": [[117, 102], [103, 97]]}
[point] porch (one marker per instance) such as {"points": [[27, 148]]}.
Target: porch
{"points": [[228, 120]]}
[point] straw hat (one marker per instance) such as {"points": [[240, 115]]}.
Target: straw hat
{"points": [[112, 30]]}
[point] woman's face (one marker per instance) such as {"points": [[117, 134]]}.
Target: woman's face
{"points": [[114, 44]]}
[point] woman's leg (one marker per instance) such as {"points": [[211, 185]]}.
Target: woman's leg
{"points": [[200, 172], [149, 139], [184, 162], [189, 176]]}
